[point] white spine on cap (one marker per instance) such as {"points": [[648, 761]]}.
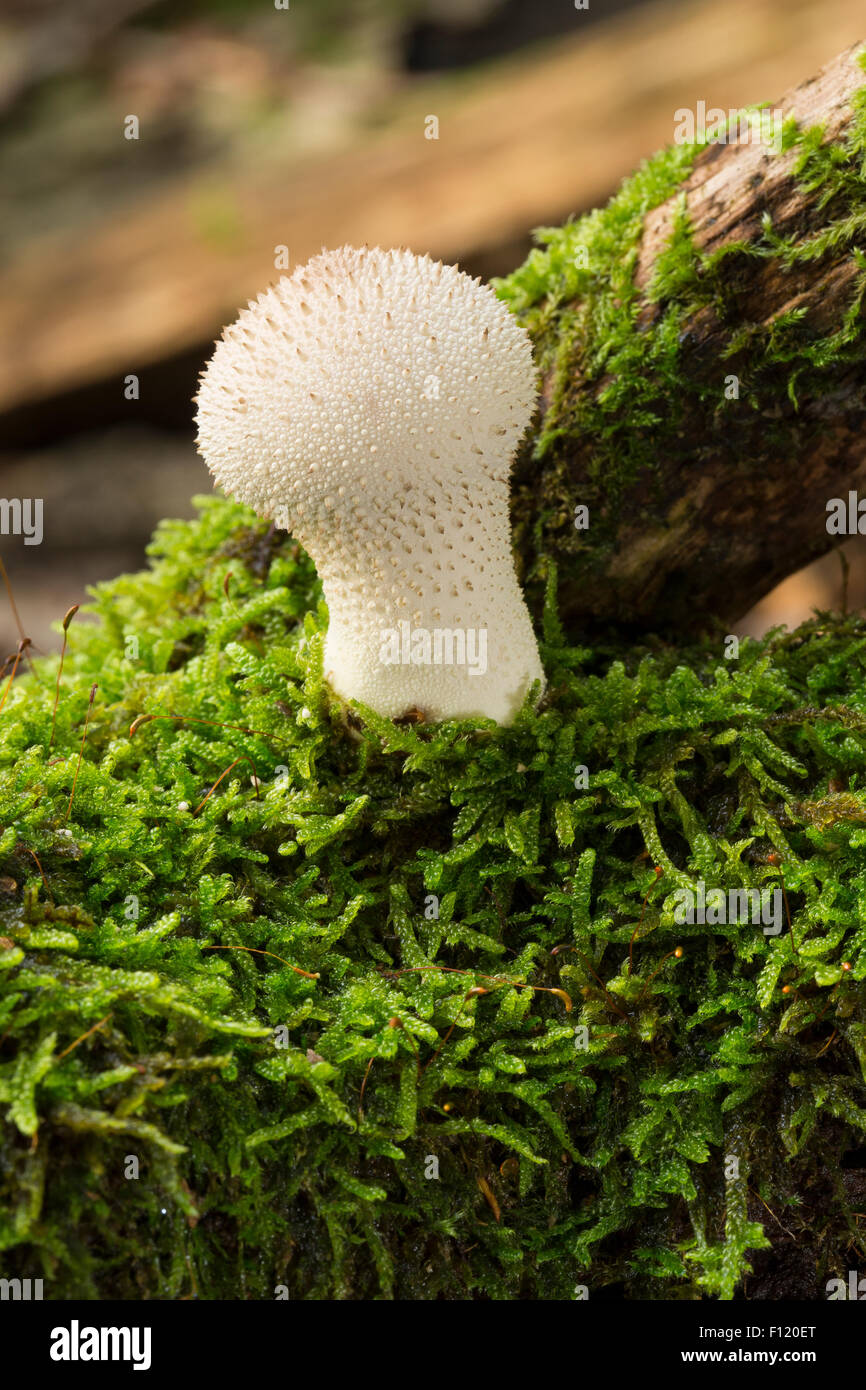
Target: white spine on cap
{"points": [[372, 402]]}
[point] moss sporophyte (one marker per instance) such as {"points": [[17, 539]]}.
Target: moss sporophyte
{"points": [[297, 999]]}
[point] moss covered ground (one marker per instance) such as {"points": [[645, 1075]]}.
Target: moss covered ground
{"points": [[405, 1010], [299, 1002]]}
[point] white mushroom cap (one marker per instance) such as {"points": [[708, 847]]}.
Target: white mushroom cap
{"points": [[371, 402]]}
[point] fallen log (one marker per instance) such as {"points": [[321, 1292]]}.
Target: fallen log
{"points": [[702, 343]]}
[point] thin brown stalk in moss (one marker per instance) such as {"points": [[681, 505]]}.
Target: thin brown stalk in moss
{"points": [[489, 1196], [12, 604], [34, 855], [93, 690], [22, 646], [392, 1023], [398, 1023], [828, 1043], [678, 955], [496, 979], [241, 619], [257, 951], [66, 621], [68, 1049], [231, 603], [470, 994], [364, 1086], [242, 759]]}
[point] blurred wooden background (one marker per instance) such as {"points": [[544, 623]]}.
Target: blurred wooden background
{"points": [[302, 128]]}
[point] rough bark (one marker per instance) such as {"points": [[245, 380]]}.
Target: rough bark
{"points": [[731, 495]]}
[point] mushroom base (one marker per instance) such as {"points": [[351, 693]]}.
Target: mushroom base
{"points": [[473, 671]]}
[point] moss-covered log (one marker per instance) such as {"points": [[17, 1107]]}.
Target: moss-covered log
{"points": [[702, 341], [417, 1014]]}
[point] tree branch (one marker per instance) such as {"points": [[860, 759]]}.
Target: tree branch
{"points": [[702, 347]]}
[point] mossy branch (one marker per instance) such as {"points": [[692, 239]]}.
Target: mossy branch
{"points": [[702, 345]]}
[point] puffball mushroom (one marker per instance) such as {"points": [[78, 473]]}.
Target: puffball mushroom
{"points": [[371, 403]]}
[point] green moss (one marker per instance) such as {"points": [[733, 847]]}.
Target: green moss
{"points": [[579, 300], [564, 1158]]}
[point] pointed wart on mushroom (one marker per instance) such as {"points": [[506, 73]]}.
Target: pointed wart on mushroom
{"points": [[372, 402]]}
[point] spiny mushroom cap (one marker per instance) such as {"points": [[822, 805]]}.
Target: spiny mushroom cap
{"points": [[372, 401], [359, 366]]}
